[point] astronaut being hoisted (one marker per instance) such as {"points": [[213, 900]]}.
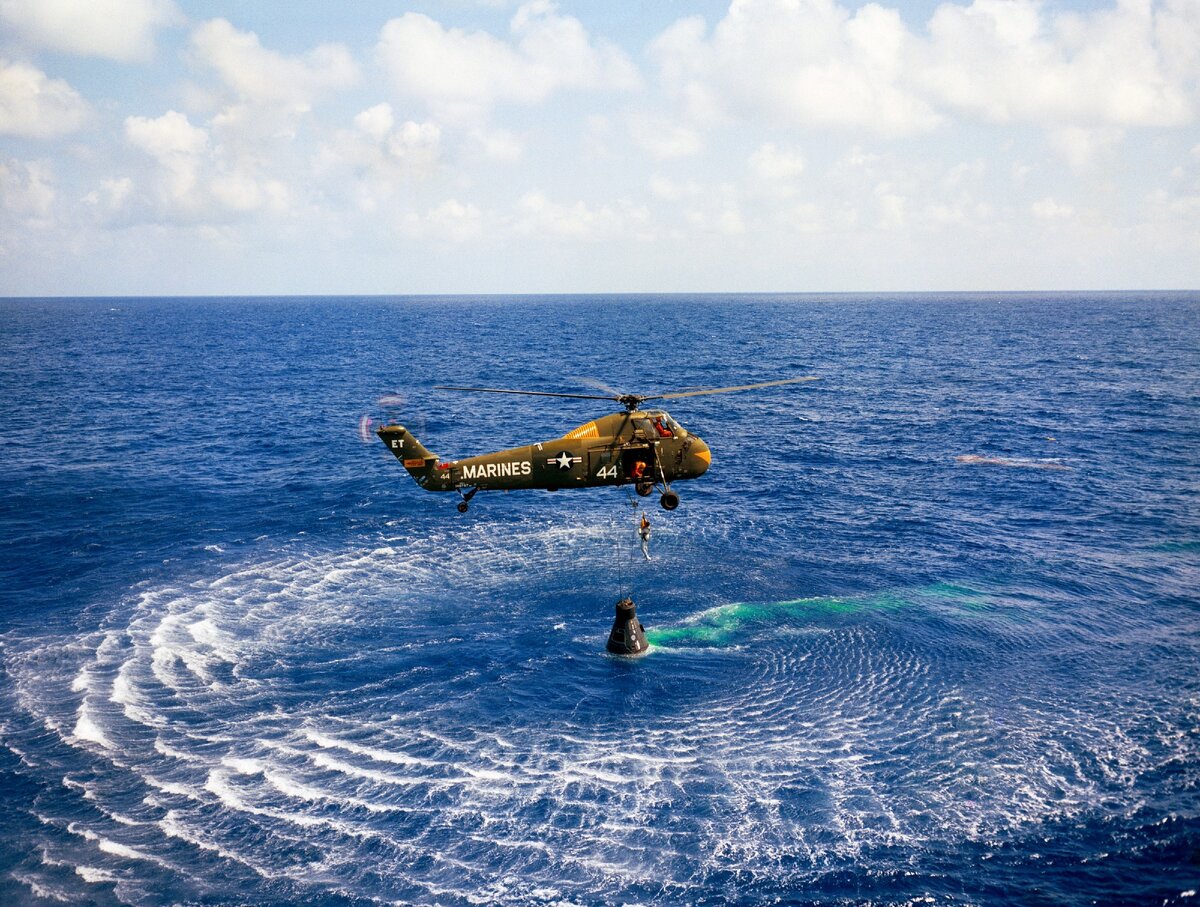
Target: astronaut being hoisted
{"points": [[644, 535]]}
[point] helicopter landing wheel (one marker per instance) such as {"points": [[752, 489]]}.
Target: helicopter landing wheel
{"points": [[669, 500], [466, 500], [643, 488]]}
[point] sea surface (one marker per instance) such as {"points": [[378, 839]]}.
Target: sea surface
{"points": [[928, 631]]}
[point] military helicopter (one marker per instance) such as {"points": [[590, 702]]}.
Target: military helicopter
{"points": [[645, 448]]}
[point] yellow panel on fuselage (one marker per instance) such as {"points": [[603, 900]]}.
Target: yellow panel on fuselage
{"points": [[587, 430]]}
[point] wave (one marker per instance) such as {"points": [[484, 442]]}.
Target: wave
{"points": [[351, 722], [1018, 462]]}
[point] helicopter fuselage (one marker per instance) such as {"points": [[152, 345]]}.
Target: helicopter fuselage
{"points": [[646, 449]]}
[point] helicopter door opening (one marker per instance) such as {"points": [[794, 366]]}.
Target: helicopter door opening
{"points": [[638, 465]]}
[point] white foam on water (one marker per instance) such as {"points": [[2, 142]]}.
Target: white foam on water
{"points": [[94, 876], [87, 790], [1054, 463], [44, 890], [337, 765], [244, 766], [169, 647], [173, 827], [652, 759], [110, 646], [796, 762], [170, 787], [220, 643], [218, 784], [87, 731], [379, 755], [127, 694], [82, 682], [485, 774], [165, 749], [297, 790], [115, 848]]}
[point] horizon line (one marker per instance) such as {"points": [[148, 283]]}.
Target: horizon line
{"points": [[593, 294]]}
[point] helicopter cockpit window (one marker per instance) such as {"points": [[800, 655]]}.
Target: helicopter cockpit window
{"points": [[643, 429], [676, 429]]}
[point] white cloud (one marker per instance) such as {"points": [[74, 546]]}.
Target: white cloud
{"points": [[893, 207], [498, 144], [176, 145], [965, 172], [167, 137], [414, 142], [451, 221], [1177, 33], [1006, 61], [666, 189], [537, 214], [664, 137], [379, 143], [372, 161], [715, 209], [805, 218], [1180, 211], [1079, 146], [376, 122], [192, 181], [1049, 209], [798, 62], [111, 197], [772, 164], [820, 143], [409, 141], [116, 29], [246, 158], [252, 130], [259, 75], [818, 64], [729, 222], [462, 74], [241, 192], [722, 221], [27, 192], [35, 106]]}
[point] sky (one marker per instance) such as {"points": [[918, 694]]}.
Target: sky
{"points": [[228, 147]]}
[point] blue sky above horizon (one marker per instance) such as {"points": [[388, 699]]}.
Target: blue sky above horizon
{"points": [[228, 147]]}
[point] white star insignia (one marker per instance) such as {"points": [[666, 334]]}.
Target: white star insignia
{"points": [[563, 460]]}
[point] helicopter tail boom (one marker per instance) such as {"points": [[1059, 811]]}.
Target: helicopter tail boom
{"points": [[419, 462]]}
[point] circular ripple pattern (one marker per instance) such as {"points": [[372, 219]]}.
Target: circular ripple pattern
{"points": [[346, 725]]}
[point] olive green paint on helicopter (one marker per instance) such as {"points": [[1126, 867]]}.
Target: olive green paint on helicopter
{"points": [[647, 449], [608, 453]]}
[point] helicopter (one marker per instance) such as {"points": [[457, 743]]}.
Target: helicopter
{"points": [[645, 448]]}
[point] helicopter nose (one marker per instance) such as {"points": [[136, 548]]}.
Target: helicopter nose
{"points": [[699, 457]]}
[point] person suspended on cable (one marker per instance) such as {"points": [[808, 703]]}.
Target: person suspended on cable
{"points": [[644, 535]]}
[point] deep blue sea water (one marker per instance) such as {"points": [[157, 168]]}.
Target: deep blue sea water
{"points": [[245, 660]]}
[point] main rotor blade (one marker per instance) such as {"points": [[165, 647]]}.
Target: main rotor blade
{"points": [[726, 390], [598, 385], [499, 390]]}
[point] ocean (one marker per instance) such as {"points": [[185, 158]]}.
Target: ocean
{"points": [[927, 632]]}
